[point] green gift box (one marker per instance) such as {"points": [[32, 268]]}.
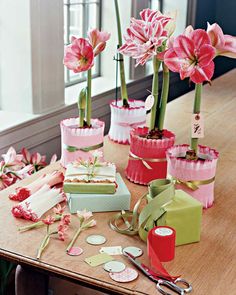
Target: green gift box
{"points": [[174, 208], [184, 214], [101, 202], [90, 180]]}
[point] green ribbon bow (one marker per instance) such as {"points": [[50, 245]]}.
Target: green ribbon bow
{"points": [[161, 193], [73, 149]]}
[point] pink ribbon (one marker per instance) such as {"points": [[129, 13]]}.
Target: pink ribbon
{"points": [[132, 125]]}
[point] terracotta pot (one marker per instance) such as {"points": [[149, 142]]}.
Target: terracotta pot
{"points": [[188, 170], [147, 159], [123, 120], [74, 139]]}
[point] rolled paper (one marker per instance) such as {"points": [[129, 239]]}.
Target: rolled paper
{"points": [[161, 245]]}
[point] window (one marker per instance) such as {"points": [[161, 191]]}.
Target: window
{"points": [[79, 16]]}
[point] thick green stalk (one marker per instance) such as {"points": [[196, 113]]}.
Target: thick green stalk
{"points": [[88, 98], [164, 96], [196, 110], [155, 81], [74, 239], [82, 106], [124, 94]]}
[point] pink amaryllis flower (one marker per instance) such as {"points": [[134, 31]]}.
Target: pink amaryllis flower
{"points": [[79, 55], [98, 40], [224, 44], [145, 36], [13, 160], [35, 159], [192, 56]]}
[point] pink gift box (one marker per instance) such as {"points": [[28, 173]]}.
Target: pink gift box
{"points": [[73, 139], [188, 170], [137, 171], [123, 120]]}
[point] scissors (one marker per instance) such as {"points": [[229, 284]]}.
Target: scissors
{"points": [[159, 280]]}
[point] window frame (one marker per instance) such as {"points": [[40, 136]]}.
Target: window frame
{"points": [[85, 3]]}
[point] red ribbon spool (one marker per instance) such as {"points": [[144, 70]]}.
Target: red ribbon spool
{"points": [[161, 245]]}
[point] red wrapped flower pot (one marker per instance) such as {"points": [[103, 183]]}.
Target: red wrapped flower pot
{"points": [[124, 119], [147, 157]]}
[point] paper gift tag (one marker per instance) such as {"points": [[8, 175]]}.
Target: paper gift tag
{"points": [[116, 250], [98, 259], [149, 102], [197, 126]]}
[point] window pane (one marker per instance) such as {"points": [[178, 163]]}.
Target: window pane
{"points": [[79, 16]]}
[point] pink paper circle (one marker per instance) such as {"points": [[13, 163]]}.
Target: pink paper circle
{"points": [[125, 276], [75, 251]]}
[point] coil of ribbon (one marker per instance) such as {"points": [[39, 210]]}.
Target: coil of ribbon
{"points": [[132, 156], [161, 193]]}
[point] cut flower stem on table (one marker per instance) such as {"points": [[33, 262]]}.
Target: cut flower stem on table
{"points": [[85, 222]]}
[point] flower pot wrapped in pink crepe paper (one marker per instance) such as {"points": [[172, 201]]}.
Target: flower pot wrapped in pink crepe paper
{"points": [[147, 158], [191, 172], [80, 142], [124, 119]]}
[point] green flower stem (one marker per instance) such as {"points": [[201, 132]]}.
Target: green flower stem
{"points": [[43, 245], [196, 110], [155, 81], [124, 94], [37, 224], [82, 106], [164, 96], [74, 239], [88, 100]]}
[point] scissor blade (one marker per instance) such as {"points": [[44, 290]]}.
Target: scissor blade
{"points": [[140, 266]]}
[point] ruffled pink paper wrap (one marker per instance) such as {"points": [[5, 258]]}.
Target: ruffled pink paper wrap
{"points": [[123, 120], [194, 170], [142, 147], [79, 138]]}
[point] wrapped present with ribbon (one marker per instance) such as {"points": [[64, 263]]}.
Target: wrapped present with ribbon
{"points": [[165, 206], [90, 177]]}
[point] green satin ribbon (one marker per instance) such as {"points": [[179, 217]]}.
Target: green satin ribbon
{"points": [[193, 184], [161, 193], [73, 149]]}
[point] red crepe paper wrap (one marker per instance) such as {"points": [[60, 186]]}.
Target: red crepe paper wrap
{"points": [[161, 245], [155, 149]]}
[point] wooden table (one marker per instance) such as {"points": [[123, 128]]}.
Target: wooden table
{"points": [[209, 265]]}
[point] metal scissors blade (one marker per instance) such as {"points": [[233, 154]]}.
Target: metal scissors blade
{"points": [[159, 280]]}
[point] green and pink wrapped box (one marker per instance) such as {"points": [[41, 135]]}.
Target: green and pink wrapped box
{"points": [[100, 179], [120, 200]]}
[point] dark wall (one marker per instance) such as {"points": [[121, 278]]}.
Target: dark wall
{"points": [[222, 12]]}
